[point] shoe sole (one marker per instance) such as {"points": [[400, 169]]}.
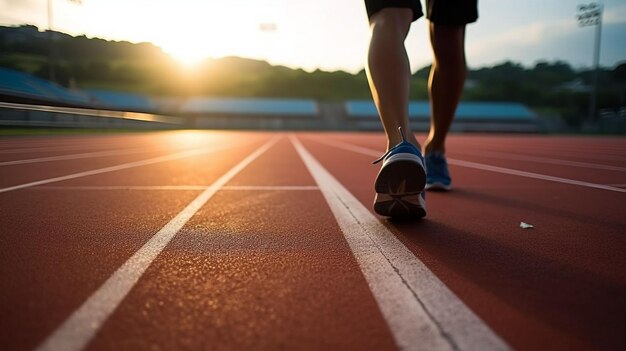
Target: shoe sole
{"points": [[401, 174], [437, 186], [409, 206]]}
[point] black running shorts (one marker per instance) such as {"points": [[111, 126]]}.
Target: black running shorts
{"points": [[446, 12]]}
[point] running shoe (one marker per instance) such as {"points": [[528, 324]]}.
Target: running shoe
{"points": [[437, 174], [401, 206], [400, 182]]}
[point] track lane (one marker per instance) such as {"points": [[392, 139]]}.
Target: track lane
{"points": [[159, 141], [609, 151], [254, 269], [280, 166], [78, 239], [595, 176], [520, 282], [542, 160], [40, 146], [72, 156], [576, 149], [610, 174], [33, 174], [57, 246], [422, 313], [200, 169], [81, 326], [52, 152], [18, 175], [561, 282], [601, 208]]}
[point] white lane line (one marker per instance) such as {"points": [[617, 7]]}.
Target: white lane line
{"points": [[547, 160], [78, 156], [481, 166], [180, 187], [598, 155], [503, 170], [51, 148], [122, 166], [422, 313], [271, 187], [76, 332]]}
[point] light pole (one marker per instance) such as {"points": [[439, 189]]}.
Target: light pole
{"points": [[267, 28], [591, 15], [51, 39], [51, 59]]}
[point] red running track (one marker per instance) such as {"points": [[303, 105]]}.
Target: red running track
{"points": [[264, 263]]}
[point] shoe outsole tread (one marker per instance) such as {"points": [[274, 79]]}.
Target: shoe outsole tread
{"points": [[436, 186], [400, 207], [400, 182], [400, 177]]}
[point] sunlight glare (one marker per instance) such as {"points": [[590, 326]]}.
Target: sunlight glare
{"points": [[186, 53], [190, 139], [203, 32]]}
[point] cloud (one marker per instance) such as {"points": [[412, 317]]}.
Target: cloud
{"points": [[615, 15], [523, 36], [19, 4], [526, 44], [548, 41], [22, 11]]}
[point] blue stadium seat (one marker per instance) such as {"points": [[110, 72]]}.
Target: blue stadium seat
{"points": [[19, 84], [122, 101], [420, 110], [282, 107]]}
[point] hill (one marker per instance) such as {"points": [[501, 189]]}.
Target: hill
{"points": [[83, 62]]}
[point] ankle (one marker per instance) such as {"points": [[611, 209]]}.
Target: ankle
{"points": [[393, 140], [432, 146]]}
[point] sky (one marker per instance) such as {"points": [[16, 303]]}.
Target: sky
{"points": [[327, 34]]}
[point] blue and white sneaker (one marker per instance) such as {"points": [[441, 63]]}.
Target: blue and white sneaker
{"points": [[401, 206], [400, 182], [437, 174]]}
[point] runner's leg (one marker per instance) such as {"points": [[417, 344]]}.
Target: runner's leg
{"points": [[388, 71], [447, 77]]}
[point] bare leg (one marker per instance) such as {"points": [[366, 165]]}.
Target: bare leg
{"points": [[447, 77], [388, 71]]}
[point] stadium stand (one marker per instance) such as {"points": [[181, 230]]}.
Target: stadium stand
{"points": [[252, 113], [123, 101], [233, 106], [420, 110], [470, 116], [21, 87]]}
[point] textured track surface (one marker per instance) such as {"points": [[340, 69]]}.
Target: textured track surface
{"points": [[264, 264]]}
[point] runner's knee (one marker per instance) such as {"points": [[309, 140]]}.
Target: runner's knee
{"points": [[395, 21], [448, 43]]}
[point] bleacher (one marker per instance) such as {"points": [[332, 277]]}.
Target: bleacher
{"points": [[123, 101], [235, 106], [469, 111], [17, 86], [470, 116], [252, 113], [261, 113]]}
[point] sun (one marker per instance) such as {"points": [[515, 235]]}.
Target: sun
{"points": [[191, 49], [188, 55], [208, 31]]}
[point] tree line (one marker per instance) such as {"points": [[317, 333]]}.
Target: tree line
{"points": [[82, 62]]}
